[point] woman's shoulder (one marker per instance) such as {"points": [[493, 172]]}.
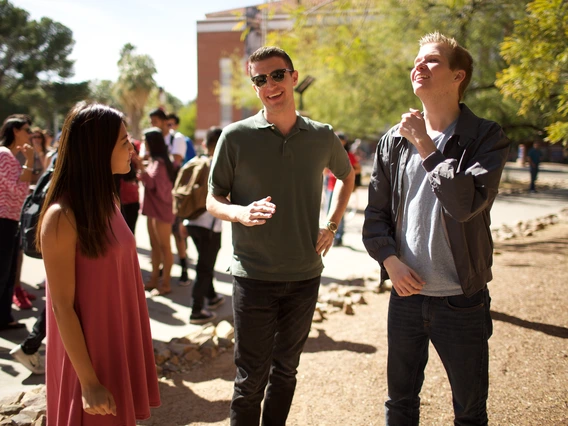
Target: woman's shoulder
{"points": [[58, 218]]}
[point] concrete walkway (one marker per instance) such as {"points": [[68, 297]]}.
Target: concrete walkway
{"points": [[169, 315]]}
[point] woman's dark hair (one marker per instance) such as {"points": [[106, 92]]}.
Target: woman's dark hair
{"points": [[14, 121], [43, 139], [83, 175], [157, 149]]}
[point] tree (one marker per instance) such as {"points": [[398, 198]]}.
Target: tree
{"points": [[361, 53], [30, 48], [537, 73], [102, 91], [135, 82], [188, 118]]}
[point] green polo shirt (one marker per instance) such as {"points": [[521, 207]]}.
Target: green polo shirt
{"points": [[254, 160]]}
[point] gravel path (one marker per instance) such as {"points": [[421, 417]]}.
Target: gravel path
{"points": [[342, 373]]}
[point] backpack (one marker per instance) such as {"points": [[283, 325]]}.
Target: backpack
{"points": [[190, 189], [29, 215]]}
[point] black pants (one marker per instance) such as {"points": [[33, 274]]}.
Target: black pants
{"points": [[9, 247], [33, 342], [130, 214], [207, 244], [272, 323]]}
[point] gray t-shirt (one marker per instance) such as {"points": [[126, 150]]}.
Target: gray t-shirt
{"points": [[254, 160], [424, 244]]}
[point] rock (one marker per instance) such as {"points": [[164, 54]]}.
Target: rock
{"points": [[23, 419], [193, 356], [12, 399], [336, 301], [318, 315], [41, 421], [209, 351], [162, 355], [348, 309], [358, 299], [225, 330], [223, 343], [333, 287], [10, 409], [200, 336], [174, 360], [181, 348], [7, 422]]}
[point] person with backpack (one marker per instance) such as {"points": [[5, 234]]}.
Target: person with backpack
{"points": [[14, 187], [27, 352], [204, 230]]}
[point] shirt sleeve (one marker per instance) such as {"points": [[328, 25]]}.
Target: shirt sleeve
{"points": [[10, 182], [339, 163], [222, 171]]}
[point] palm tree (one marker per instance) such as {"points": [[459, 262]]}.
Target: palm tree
{"points": [[135, 81]]}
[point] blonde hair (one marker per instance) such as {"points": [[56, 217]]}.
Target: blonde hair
{"points": [[458, 57]]}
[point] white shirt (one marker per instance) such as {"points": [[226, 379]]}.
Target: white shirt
{"points": [[175, 146]]}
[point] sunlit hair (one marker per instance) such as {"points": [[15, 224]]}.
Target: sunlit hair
{"points": [[268, 52], [14, 121], [458, 57], [157, 149], [83, 178], [41, 133]]}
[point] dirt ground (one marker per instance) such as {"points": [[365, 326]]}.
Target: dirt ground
{"points": [[342, 381]]}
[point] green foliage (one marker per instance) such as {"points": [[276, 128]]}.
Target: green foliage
{"points": [[188, 119], [361, 52], [135, 82], [537, 73], [31, 49], [102, 91]]}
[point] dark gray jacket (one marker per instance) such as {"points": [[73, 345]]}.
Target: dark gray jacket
{"points": [[465, 178]]}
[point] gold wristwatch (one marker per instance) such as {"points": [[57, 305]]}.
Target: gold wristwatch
{"points": [[332, 226]]}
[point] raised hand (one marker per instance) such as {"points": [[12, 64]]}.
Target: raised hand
{"points": [[257, 212]]}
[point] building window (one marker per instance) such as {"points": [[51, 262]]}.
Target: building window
{"points": [[225, 92]]}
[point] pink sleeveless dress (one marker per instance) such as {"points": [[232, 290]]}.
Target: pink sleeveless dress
{"points": [[111, 306]]}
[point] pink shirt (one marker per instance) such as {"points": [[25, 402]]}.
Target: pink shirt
{"points": [[158, 200], [13, 192]]}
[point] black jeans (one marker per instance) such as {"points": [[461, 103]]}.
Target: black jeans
{"points": [[9, 248], [207, 244], [33, 342], [459, 328], [272, 322]]}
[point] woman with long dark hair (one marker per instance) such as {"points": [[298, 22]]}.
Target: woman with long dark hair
{"points": [[100, 359], [14, 187], [158, 179]]}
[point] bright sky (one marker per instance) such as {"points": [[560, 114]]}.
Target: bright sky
{"points": [[163, 29]]}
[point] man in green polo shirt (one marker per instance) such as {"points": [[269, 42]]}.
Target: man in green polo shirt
{"points": [[266, 178]]}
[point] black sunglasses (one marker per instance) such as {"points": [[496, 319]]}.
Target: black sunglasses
{"points": [[276, 75]]}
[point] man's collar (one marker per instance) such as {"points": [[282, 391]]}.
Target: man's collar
{"points": [[466, 126], [262, 123]]}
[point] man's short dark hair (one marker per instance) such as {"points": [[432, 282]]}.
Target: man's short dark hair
{"points": [[173, 116], [158, 113], [212, 136], [268, 52]]}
